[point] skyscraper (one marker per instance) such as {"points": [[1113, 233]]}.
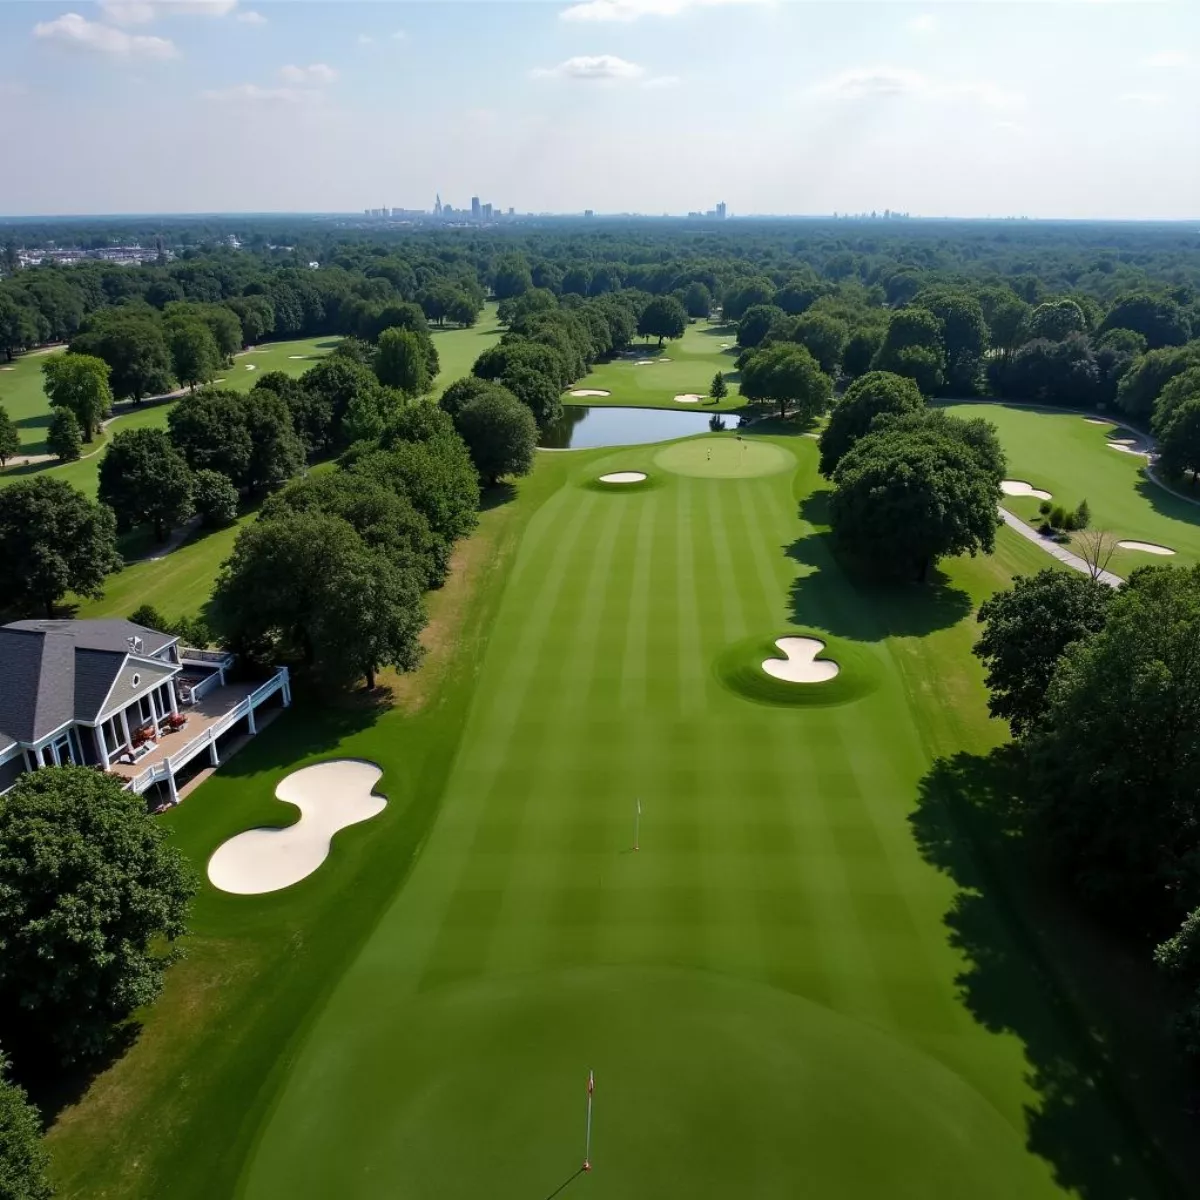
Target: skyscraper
{"points": [[437, 205], [475, 208], [721, 211]]}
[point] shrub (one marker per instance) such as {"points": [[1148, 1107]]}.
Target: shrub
{"points": [[64, 437], [1045, 507], [1058, 517]]}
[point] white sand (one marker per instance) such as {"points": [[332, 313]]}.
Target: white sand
{"points": [[623, 477], [590, 392], [1018, 487], [297, 357], [8, 368], [1123, 441], [645, 362], [330, 796], [688, 398], [1096, 421], [1147, 547], [801, 665], [1125, 449], [252, 367], [724, 345]]}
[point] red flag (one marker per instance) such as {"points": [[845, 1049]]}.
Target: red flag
{"points": [[591, 1083]]}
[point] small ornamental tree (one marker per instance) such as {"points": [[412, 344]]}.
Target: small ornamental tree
{"points": [[63, 436], [79, 383], [10, 437], [663, 317], [719, 389], [89, 894]]}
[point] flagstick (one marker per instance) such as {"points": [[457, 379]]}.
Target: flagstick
{"points": [[587, 1146], [637, 824]]}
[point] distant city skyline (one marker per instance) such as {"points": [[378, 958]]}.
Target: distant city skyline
{"points": [[1040, 109]]}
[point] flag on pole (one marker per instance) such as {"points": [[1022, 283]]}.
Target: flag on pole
{"points": [[639, 804], [591, 1082]]}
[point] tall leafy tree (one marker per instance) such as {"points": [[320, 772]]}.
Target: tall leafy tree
{"points": [[865, 399], [906, 497], [10, 437], [786, 374], [823, 336], [276, 453], [194, 353], [53, 540], [209, 429], [1177, 392], [500, 433], [135, 348], [1055, 319], [755, 324], [663, 317], [1149, 375], [215, 500], [400, 362], [305, 587], [1113, 762], [1158, 318], [89, 894], [964, 335], [511, 276], [697, 299], [1026, 631], [914, 346], [1179, 443], [63, 436], [24, 1161], [79, 383], [146, 481], [718, 389]]}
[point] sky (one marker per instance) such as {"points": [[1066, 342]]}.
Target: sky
{"points": [[1039, 108]]}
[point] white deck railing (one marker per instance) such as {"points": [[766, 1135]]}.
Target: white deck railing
{"points": [[157, 772], [216, 657], [198, 690]]}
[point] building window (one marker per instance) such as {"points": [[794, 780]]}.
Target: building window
{"points": [[136, 679]]}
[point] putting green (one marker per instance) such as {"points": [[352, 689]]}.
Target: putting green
{"points": [[706, 1086], [724, 458]]}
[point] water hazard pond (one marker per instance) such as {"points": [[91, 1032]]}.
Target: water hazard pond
{"points": [[586, 428]]}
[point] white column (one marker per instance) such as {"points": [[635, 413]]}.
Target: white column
{"points": [[102, 744], [287, 689], [171, 787], [153, 714], [213, 757], [174, 700], [250, 721], [125, 727], [41, 762], [221, 672]]}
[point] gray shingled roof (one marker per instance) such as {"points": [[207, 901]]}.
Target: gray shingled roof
{"points": [[52, 672]]}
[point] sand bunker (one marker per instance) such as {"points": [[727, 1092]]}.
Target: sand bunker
{"points": [[1096, 421], [590, 392], [802, 664], [252, 367], [623, 477], [330, 796], [645, 362], [8, 368], [1018, 487], [1146, 547], [688, 398], [1125, 446], [297, 357]]}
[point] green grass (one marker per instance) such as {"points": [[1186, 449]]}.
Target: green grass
{"points": [[22, 396], [459, 348], [1065, 455], [806, 981], [682, 367]]}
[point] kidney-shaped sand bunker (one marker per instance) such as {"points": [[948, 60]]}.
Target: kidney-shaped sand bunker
{"points": [[330, 796]]}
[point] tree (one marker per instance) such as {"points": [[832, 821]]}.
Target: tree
{"points": [[1112, 763], [305, 587], [697, 299], [1179, 958], [79, 383], [209, 429], [277, 454], [511, 276], [370, 412], [536, 391], [53, 540], [1144, 382], [1096, 547], [913, 346], [787, 374], [663, 317], [462, 391], [1026, 631], [756, 322], [1179, 443], [10, 437], [500, 434], [194, 353], [63, 436], [89, 892], [1055, 320], [824, 337], [329, 387], [964, 335], [1173, 396], [718, 389], [24, 1161], [907, 496], [214, 498], [861, 348], [744, 295], [1159, 319], [400, 362], [20, 326], [145, 480], [865, 399], [1063, 372], [135, 349]]}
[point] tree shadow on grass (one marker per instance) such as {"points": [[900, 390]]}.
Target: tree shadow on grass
{"points": [[497, 495], [831, 596], [1168, 505], [51, 1087], [1028, 955]]}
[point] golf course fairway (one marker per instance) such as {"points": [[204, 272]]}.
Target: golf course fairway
{"points": [[783, 991]]}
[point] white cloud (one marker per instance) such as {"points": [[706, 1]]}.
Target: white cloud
{"points": [[75, 31], [1149, 99], [317, 73], [399, 35], [590, 67], [925, 23], [365, 39], [633, 10], [883, 83], [1168, 60], [662, 81], [142, 12], [250, 17], [252, 93]]}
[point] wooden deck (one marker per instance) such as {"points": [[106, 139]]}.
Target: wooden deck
{"points": [[208, 710]]}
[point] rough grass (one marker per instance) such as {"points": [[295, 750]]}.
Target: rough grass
{"points": [[819, 965]]}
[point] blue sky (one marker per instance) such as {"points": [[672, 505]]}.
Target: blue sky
{"points": [[959, 107]]}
